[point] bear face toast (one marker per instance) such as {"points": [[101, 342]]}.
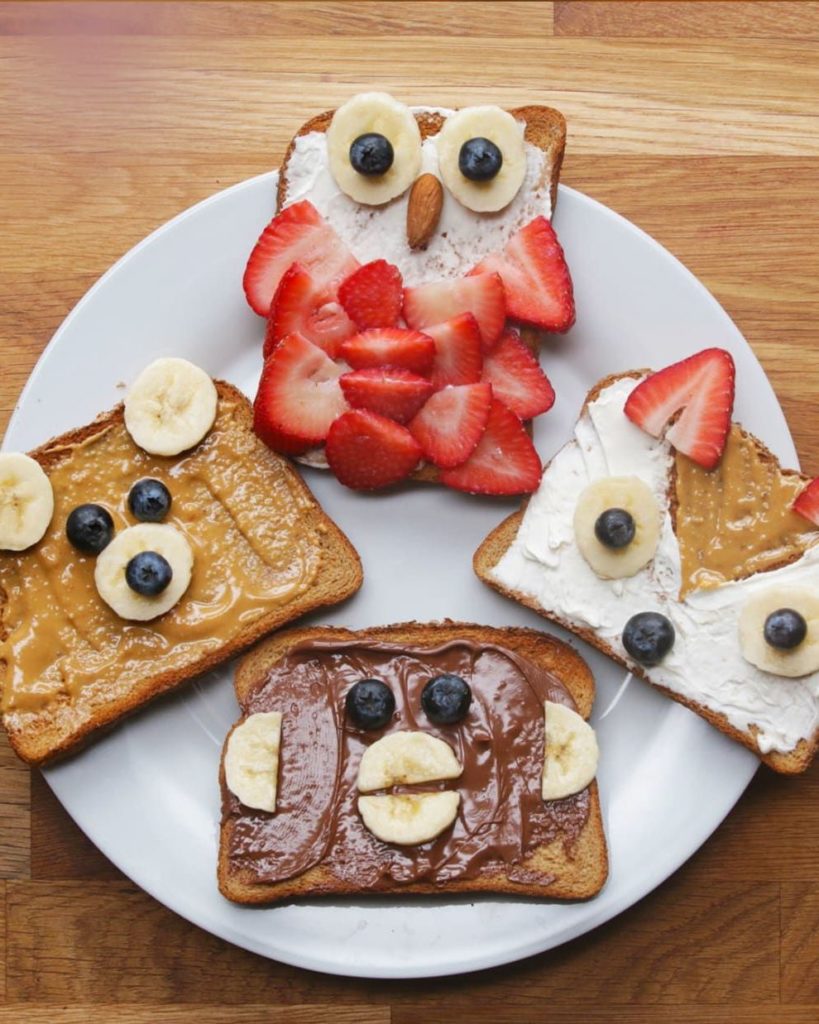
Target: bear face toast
{"points": [[409, 759]]}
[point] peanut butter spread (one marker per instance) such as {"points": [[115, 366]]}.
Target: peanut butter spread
{"points": [[64, 651], [736, 520]]}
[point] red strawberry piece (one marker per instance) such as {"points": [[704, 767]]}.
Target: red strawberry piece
{"points": [[481, 295], [386, 390], [807, 504], [372, 296], [299, 234], [389, 346], [299, 396], [300, 306], [701, 389], [451, 424], [504, 462], [366, 451], [516, 377], [535, 277], [458, 358]]}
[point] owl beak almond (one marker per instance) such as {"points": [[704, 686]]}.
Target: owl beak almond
{"points": [[426, 199]]}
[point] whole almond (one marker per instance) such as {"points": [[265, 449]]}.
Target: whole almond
{"points": [[424, 210]]}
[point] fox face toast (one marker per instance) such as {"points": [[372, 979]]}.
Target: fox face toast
{"points": [[704, 593], [411, 759]]}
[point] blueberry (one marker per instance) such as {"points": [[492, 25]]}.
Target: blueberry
{"points": [[370, 704], [479, 159], [89, 528], [648, 637], [371, 154], [148, 573], [149, 500], [615, 528], [446, 699], [785, 629]]}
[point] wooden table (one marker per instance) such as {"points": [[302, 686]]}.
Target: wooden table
{"points": [[699, 122]]}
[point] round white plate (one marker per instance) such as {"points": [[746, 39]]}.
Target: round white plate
{"points": [[147, 793]]}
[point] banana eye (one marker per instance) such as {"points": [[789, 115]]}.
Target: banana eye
{"points": [[482, 157], [617, 526], [779, 631]]}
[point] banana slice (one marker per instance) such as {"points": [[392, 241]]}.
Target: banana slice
{"points": [[799, 660], [506, 133], [570, 761], [170, 406], [26, 501], [374, 112], [411, 818], [630, 494], [404, 758], [252, 760], [109, 574]]}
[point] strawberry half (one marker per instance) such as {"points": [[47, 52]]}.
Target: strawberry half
{"points": [[458, 358], [372, 296], [481, 295], [504, 461], [516, 377], [397, 394], [302, 306], [366, 451], [451, 424], [299, 396], [389, 346], [299, 234], [535, 277], [807, 503], [701, 389]]}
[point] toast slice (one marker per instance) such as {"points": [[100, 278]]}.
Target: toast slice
{"points": [[264, 553], [572, 865], [786, 553]]}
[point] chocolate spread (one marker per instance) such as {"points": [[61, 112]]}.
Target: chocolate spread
{"points": [[502, 818]]}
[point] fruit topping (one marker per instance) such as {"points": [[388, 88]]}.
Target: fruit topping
{"points": [[148, 573], [617, 525], [129, 549], [26, 501], [89, 528], [370, 704], [367, 451], [458, 358], [406, 758], [446, 699], [571, 752], [785, 629], [390, 346], [516, 377], [615, 528], [371, 153], [411, 818], [807, 503], [482, 157], [481, 295], [535, 277], [779, 630], [479, 159], [452, 422], [648, 637], [699, 388], [252, 760], [395, 393], [149, 500], [303, 306], [170, 407], [373, 295]]}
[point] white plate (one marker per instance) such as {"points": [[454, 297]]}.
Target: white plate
{"points": [[147, 793]]}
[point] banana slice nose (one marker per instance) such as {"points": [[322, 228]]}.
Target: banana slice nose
{"points": [[411, 818], [406, 758]]}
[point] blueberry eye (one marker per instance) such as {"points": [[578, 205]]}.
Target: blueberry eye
{"points": [[370, 704], [149, 500], [89, 528], [446, 699], [371, 154], [479, 159], [785, 629], [148, 573], [615, 528]]}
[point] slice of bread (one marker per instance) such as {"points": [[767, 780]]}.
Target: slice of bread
{"points": [[264, 553], [557, 870], [499, 542]]}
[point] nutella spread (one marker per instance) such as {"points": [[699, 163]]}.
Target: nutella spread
{"points": [[502, 819]]}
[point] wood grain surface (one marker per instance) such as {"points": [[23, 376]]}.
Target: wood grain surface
{"points": [[699, 122]]}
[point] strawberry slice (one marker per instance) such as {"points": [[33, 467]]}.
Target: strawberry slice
{"points": [[372, 296], [451, 424], [535, 277], [299, 396], [516, 377], [807, 503], [458, 358], [389, 346], [300, 306], [366, 451], [299, 234], [387, 390], [481, 295], [504, 461], [701, 389]]}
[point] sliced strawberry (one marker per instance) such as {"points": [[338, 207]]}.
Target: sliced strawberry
{"points": [[301, 306], [299, 234], [535, 277], [366, 450], [389, 346], [458, 358], [701, 389], [372, 296], [451, 424], [387, 390], [516, 377], [807, 503], [481, 295], [299, 396], [504, 462]]}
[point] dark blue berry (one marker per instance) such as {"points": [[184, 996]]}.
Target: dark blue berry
{"points": [[149, 500], [648, 637], [89, 528], [370, 704], [479, 159], [148, 573], [785, 629], [615, 528], [371, 154], [446, 699]]}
